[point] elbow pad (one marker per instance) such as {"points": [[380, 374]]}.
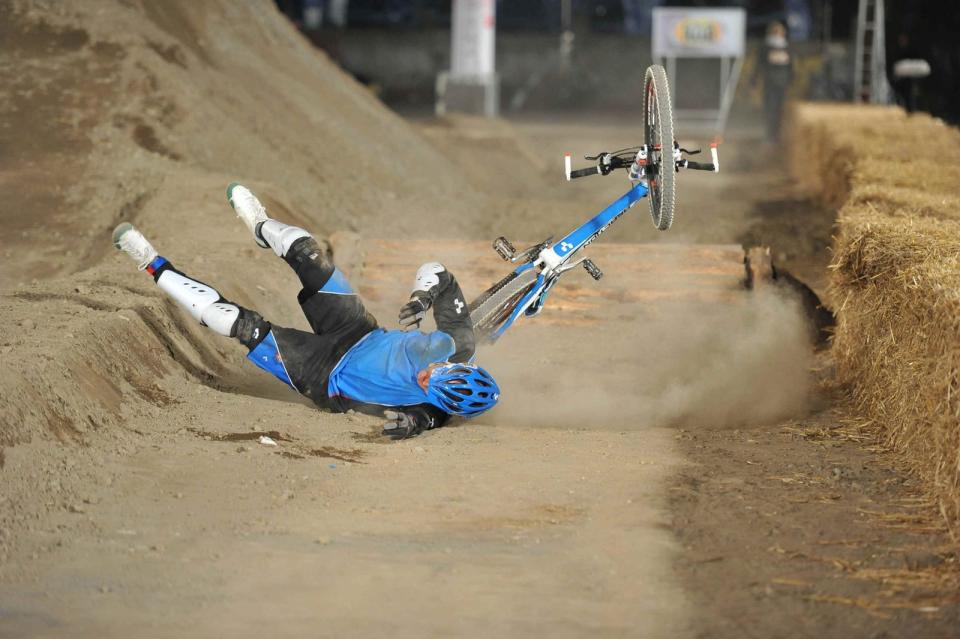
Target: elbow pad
{"points": [[428, 279]]}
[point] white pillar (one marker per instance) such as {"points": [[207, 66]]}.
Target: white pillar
{"points": [[473, 47], [473, 68]]}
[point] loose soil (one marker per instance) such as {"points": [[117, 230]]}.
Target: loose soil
{"points": [[710, 486]]}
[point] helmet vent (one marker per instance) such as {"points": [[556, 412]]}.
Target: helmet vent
{"points": [[462, 389]]}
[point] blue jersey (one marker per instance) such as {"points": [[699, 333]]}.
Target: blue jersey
{"points": [[382, 367]]}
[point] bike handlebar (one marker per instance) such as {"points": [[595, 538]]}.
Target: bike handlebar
{"points": [[579, 173], [608, 162], [703, 166]]}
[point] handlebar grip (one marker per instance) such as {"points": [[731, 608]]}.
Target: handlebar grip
{"points": [[700, 166], [579, 173]]}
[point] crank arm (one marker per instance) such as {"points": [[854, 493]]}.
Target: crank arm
{"points": [[563, 268], [528, 254], [506, 250]]}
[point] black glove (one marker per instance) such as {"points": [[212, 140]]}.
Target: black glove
{"points": [[413, 311], [401, 425]]}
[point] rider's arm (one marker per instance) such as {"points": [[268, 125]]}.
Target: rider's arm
{"points": [[402, 421], [437, 287], [409, 421]]}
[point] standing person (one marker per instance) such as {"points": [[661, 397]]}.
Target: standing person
{"points": [[348, 362], [775, 67], [905, 89]]}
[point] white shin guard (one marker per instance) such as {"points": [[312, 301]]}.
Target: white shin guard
{"points": [[221, 317], [280, 236], [201, 301]]}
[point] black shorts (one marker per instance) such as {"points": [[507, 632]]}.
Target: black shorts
{"points": [[335, 314]]}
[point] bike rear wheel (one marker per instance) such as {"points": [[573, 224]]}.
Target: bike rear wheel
{"points": [[496, 304], [658, 136]]}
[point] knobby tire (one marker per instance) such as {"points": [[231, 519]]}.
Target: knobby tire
{"points": [[658, 130], [492, 308]]}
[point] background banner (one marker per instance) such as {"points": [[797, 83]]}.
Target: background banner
{"points": [[698, 33]]}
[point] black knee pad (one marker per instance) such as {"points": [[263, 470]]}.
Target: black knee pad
{"points": [[312, 264], [307, 249]]}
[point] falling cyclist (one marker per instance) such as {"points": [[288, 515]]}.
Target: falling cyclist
{"points": [[348, 362]]}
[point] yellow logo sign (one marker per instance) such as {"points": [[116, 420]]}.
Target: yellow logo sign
{"points": [[698, 32]]}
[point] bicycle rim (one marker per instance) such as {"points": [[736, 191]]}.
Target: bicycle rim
{"points": [[659, 138]]}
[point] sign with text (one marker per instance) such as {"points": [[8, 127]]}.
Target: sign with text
{"points": [[474, 38], [698, 33]]}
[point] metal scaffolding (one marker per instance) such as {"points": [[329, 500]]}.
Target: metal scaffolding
{"points": [[870, 57]]}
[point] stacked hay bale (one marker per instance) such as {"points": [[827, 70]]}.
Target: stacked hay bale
{"points": [[895, 278]]}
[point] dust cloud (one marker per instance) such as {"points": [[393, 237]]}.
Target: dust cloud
{"points": [[744, 360]]}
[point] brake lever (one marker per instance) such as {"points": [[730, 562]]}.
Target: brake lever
{"points": [[594, 158], [694, 152]]}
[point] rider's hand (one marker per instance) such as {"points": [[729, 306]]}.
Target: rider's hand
{"points": [[401, 425], [414, 311]]}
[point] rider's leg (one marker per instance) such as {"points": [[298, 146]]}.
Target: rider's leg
{"points": [[286, 353], [300, 359], [327, 299], [202, 301], [206, 305], [295, 245]]}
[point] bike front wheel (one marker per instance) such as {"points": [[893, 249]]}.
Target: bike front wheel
{"points": [[658, 136]]}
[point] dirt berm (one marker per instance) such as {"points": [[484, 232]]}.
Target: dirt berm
{"points": [[143, 111], [135, 497], [895, 275]]}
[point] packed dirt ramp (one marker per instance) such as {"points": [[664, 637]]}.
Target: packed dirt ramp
{"points": [[670, 459], [118, 104], [105, 359]]}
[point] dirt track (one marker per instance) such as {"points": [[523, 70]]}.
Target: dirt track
{"points": [[711, 486]]}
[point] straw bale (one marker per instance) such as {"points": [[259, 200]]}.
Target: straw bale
{"points": [[895, 279]]}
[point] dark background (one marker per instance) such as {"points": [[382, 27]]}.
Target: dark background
{"points": [[928, 29]]}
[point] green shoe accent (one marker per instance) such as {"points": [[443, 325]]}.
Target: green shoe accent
{"points": [[118, 232], [230, 188]]}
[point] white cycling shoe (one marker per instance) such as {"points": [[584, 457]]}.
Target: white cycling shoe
{"points": [[249, 209], [132, 242]]}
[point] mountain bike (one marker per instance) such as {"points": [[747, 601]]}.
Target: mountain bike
{"points": [[651, 167]]}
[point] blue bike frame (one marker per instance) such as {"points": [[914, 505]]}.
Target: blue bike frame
{"points": [[554, 260]]}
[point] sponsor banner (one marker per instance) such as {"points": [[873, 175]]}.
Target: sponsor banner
{"points": [[698, 33], [474, 38]]}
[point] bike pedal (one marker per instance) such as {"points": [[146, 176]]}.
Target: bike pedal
{"points": [[592, 269], [504, 248]]}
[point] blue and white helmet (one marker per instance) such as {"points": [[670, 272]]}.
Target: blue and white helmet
{"points": [[462, 389]]}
